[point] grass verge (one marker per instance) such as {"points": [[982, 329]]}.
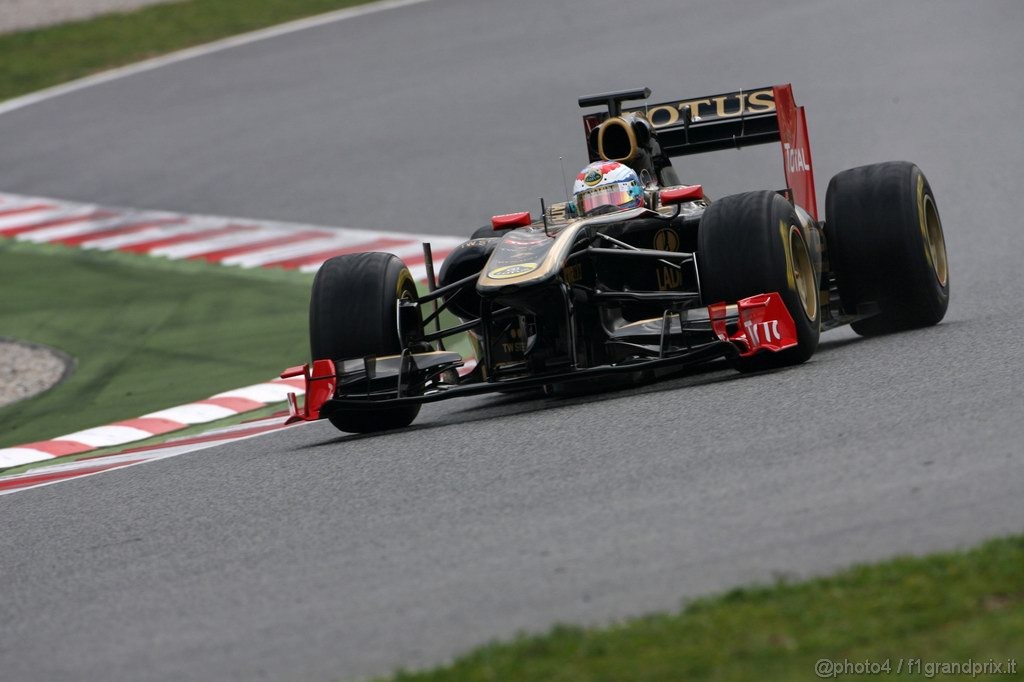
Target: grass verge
{"points": [[908, 614], [147, 334], [40, 58]]}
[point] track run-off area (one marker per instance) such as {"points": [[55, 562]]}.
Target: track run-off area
{"points": [[307, 554]]}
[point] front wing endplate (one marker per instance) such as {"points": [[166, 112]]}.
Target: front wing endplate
{"points": [[764, 323]]}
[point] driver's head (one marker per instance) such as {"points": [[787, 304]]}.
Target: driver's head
{"points": [[606, 186]]}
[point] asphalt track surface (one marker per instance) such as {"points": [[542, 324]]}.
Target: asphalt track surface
{"points": [[308, 555]]}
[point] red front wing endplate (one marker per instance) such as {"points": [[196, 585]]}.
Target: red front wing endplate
{"points": [[764, 324], [321, 380]]}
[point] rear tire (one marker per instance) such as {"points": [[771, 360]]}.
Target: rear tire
{"points": [[752, 244], [352, 314], [886, 246]]}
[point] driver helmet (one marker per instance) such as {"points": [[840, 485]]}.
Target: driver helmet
{"points": [[606, 186]]}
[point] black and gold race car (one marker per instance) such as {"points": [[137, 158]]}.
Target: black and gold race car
{"points": [[753, 278]]}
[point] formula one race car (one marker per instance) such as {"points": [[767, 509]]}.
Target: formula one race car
{"points": [[636, 274]]}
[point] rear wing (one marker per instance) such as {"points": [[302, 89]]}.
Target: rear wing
{"points": [[727, 121]]}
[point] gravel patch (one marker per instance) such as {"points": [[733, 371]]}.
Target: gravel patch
{"points": [[27, 370], [16, 15]]}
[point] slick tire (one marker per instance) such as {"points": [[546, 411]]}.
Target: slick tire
{"points": [[752, 244], [352, 314], [886, 246], [486, 232]]}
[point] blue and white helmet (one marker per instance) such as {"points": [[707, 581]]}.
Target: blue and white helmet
{"points": [[606, 186]]}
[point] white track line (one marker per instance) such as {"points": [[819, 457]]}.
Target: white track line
{"points": [[131, 459], [150, 234], [262, 393], [12, 457], [34, 217], [24, 206], [85, 214], [297, 249], [193, 413], [201, 51], [226, 241], [50, 234], [15, 202], [107, 436]]}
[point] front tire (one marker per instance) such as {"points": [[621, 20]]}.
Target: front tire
{"points": [[886, 246], [751, 244], [352, 314]]}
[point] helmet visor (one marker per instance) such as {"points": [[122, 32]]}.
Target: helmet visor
{"points": [[617, 194]]}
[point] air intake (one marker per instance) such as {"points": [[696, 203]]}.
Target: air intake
{"points": [[616, 140]]}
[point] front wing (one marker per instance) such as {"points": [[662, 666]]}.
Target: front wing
{"points": [[752, 325]]}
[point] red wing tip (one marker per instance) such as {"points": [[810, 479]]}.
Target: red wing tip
{"points": [[297, 371]]}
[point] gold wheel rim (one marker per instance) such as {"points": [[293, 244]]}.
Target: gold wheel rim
{"points": [[803, 274], [936, 241]]}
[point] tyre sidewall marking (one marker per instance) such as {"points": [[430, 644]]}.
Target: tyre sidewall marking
{"points": [[922, 220], [403, 277], [785, 231], [784, 234]]}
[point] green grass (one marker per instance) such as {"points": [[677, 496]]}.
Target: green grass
{"points": [[942, 608], [35, 59], [146, 333]]}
